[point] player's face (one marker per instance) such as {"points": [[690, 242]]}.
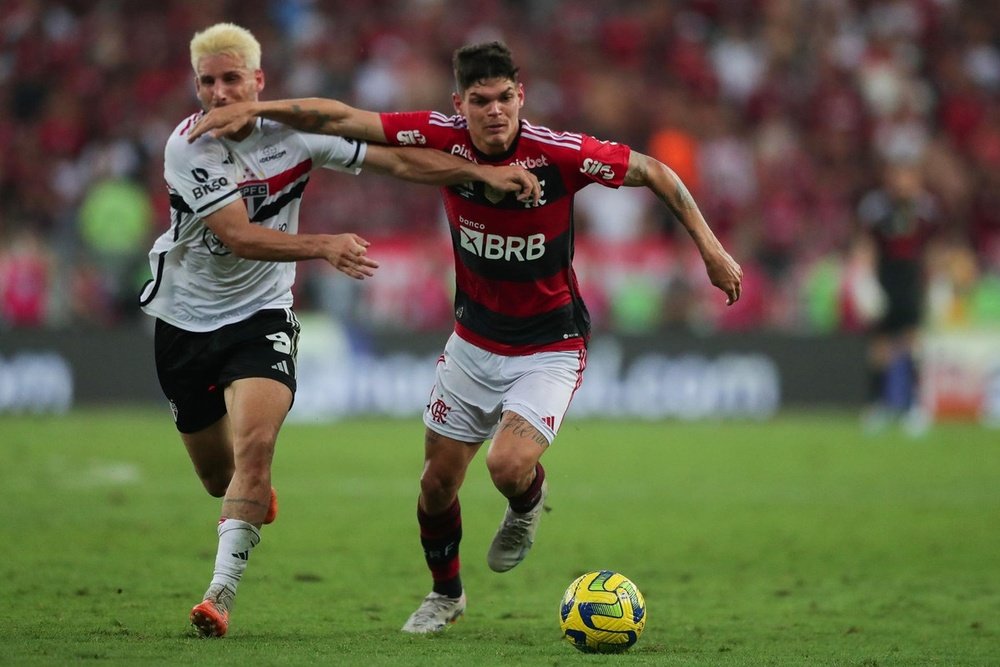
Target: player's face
{"points": [[223, 79], [491, 108]]}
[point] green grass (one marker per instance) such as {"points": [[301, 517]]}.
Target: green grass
{"points": [[790, 542]]}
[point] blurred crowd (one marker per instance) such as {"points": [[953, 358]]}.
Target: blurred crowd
{"points": [[780, 115]]}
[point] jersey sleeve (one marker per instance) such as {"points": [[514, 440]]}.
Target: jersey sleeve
{"points": [[603, 162], [200, 174], [423, 129], [337, 153]]}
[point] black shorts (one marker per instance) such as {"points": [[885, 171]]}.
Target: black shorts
{"points": [[902, 281], [195, 368]]}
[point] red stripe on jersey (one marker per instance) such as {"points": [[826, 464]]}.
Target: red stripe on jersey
{"points": [[279, 182], [516, 299], [189, 124]]}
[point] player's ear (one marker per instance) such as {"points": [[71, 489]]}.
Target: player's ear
{"points": [[520, 95], [456, 100], [258, 76]]}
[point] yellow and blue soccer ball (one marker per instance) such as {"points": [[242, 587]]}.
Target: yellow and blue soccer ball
{"points": [[602, 612]]}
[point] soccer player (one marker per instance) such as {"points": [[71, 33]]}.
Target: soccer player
{"points": [[225, 333], [900, 218], [509, 370]]}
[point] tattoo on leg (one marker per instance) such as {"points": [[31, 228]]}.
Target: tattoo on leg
{"points": [[244, 502], [519, 427]]}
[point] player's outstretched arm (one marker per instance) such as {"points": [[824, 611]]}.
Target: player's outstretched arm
{"points": [[345, 252], [724, 272], [311, 114], [433, 167]]}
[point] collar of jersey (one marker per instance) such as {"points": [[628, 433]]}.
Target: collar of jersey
{"points": [[483, 157]]}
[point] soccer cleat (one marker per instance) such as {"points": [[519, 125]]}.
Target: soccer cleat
{"points": [[435, 613], [210, 617], [272, 508], [515, 536]]}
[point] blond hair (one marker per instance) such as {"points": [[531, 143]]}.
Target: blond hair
{"points": [[229, 39]]}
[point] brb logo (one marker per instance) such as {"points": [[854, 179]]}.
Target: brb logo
{"points": [[495, 246], [410, 138]]}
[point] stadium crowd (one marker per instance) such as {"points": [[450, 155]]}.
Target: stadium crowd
{"points": [[781, 115]]}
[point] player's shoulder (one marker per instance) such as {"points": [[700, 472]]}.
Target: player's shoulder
{"points": [[423, 128], [452, 122], [273, 134], [554, 138], [178, 147]]}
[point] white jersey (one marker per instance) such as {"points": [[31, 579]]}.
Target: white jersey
{"points": [[198, 284]]}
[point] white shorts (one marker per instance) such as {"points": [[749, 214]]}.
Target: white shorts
{"points": [[473, 387]]}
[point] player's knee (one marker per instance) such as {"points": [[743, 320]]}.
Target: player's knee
{"points": [[438, 489], [510, 475]]}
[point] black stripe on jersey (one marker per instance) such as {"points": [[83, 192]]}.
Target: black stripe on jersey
{"points": [[178, 204], [217, 200], [272, 209], [555, 259], [357, 151], [179, 207], [155, 281], [569, 321]]}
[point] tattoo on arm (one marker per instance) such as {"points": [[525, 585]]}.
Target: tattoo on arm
{"points": [[679, 201], [684, 200], [311, 121], [519, 427]]}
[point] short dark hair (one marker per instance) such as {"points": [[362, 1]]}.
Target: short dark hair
{"points": [[481, 62]]}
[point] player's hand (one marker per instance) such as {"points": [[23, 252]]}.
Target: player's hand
{"points": [[725, 274], [223, 121], [514, 179], [348, 253]]}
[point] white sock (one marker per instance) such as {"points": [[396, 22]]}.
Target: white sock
{"points": [[236, 540]]}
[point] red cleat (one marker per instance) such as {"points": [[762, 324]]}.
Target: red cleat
{"points": [[272, 509], [210, 619]]}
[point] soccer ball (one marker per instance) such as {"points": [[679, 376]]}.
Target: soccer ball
{"points": [[602, 612]]}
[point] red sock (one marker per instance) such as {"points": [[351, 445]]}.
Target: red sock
{"points": [[526, 501], [440, 536]]}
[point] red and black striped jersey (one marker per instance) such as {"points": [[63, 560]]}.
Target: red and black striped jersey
{"points": [[516, 292]]}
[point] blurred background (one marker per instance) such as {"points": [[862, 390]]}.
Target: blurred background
{"points": [[782, 116]]}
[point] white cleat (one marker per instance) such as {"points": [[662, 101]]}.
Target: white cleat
{"points": [[515, 536], [435, 613]]}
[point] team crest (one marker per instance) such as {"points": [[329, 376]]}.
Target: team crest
{"points": [[254, 196], [493, 195]]}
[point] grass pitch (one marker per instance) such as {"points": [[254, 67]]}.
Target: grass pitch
{"points": [[791, 542]]}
